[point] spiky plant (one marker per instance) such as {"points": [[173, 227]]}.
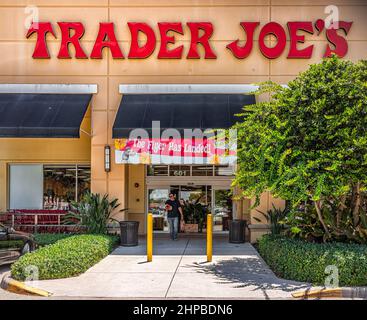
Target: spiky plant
{"points": [[94, 212]]}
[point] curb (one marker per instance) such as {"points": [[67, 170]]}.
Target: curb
{"points": [[351, 293], [14, 286]]}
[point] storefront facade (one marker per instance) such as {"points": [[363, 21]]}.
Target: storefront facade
{"points": [[215, 63]]}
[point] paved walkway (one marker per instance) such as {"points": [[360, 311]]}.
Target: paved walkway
{"points": [[179, 270]]}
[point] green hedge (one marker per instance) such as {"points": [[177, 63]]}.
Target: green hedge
{"points": [[303, 261], [66, 258], [44, 239]]}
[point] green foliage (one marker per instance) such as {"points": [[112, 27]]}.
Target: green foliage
{"points": [[309, 141], [304, 261], [195, 212], [65, 258], [44, 239], [276, 218], [305, 224], [94, 212]]}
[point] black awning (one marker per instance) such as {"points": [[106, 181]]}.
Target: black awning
{"points": [[178, 111], [42, 115]]}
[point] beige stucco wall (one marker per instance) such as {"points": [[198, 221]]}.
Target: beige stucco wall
{"points": [[17, 66]]}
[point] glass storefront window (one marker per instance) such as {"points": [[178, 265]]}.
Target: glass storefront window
{"points": [[223, 209], [25, 186], [202, 170], [223, 170], [83, 181], [190, 170], [59, 185], [50, 187], [156, 205], [63, 184], [157, 170]]}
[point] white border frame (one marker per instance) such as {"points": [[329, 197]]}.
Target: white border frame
{"points": [[186, 88], [48, 88]]}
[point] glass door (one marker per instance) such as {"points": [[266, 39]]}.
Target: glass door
{"points": [[157, 198], [222, 209], [196, 203]]}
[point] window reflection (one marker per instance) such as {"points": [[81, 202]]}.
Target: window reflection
{"points": [[83, 181], [63, 184]]}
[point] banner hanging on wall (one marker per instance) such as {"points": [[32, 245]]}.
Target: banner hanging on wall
{"points": [[175, 151]]}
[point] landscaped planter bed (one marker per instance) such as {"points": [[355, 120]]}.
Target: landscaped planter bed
{"points": [[65, 258], [303, 261]]}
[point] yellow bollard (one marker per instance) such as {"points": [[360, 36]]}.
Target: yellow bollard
{"points": [[209, 237], [150, 238]]}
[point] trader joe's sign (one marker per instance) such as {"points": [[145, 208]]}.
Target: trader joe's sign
{"points": [[174, 151], [200, 35]]}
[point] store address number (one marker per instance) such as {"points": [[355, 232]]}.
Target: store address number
{"points": [[179, 173]]}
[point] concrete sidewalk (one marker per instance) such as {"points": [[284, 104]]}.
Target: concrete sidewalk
{"points": [[179, 270]]}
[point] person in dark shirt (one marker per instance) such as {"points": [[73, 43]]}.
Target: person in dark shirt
{"points": [[174, 210]]}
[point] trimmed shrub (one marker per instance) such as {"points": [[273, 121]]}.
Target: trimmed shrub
{"points": [[68, 257], [304, 261], [44, 239]]}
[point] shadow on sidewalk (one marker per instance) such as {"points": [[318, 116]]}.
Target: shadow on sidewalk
{"points": [[185, 245], [245, 272]]}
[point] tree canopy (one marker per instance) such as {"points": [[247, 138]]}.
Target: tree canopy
{"points": [[308, 142]]}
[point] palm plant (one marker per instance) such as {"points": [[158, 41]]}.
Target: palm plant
{"points": [[94, 212], [275, 217]]}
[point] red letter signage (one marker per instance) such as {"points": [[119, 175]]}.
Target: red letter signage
{"points": [[106, 38], [66, 39], [164, 52], [340, 43], [243, 52], [41, 28], [294, 52], [277, 30], [137, 52], [195, 27], [201, 33]]}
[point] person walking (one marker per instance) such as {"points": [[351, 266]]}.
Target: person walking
{"points": [[174, 210]]}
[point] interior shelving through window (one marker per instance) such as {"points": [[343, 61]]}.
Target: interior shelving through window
{"points": [[47, 186]]}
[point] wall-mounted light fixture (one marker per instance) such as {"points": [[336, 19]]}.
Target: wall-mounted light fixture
{"points": [[107, 158]]}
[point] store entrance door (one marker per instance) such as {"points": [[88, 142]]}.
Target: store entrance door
{"points": [[197, 201]]}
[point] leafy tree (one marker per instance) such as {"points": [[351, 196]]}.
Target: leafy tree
{"points": [[308, 143]]}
